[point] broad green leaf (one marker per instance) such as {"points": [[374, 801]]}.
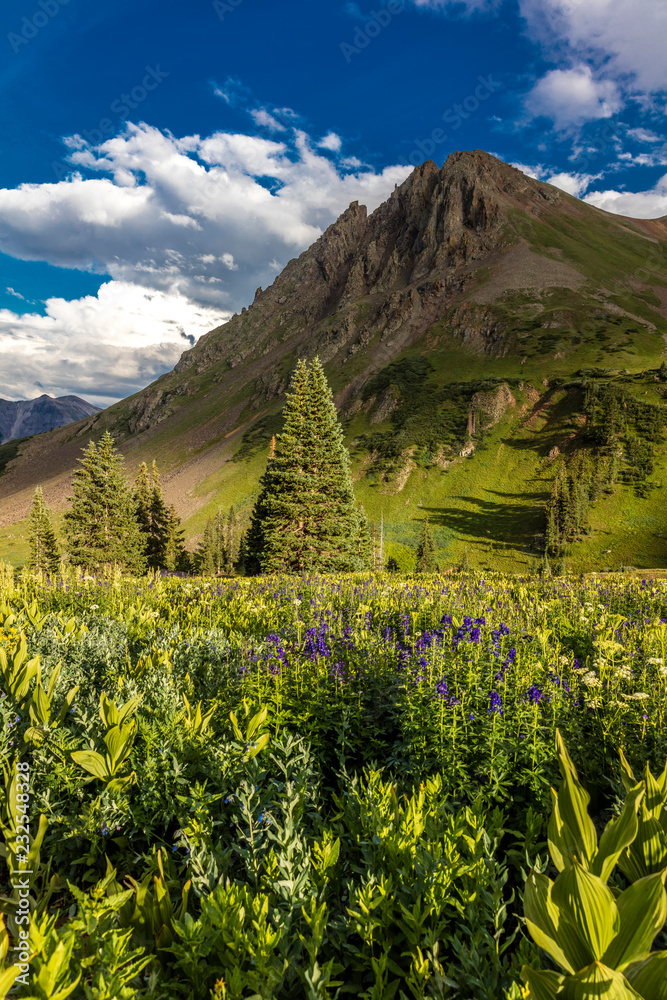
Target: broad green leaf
{"points": [[235, 726], [257, 720], [627, 775], [562, 845], [662, 781], [573, 802], [649, 977], [649, 848], [618, 835], [655, 796], [643, 911], [7, 979], [598, 981], [119, 743], [92, 762], [589, 905], [547, 926], [542, 984]]}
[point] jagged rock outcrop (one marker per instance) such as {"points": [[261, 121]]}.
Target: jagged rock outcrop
{"points": [[388, 276]]}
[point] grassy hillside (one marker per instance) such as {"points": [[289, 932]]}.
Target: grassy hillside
{"points": [[459, 364]]}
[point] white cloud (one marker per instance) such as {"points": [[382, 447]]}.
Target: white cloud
{"points": [[574, 184], [643, 135], [263, 119], [536, 172], [187, 228], [16, 294], [627, 37], [331, 141], [101, 347], [167, 207], [467, 6], [638, 205], [572, 97]]}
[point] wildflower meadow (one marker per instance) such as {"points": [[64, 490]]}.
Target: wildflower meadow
{"points": [[303, 786]]}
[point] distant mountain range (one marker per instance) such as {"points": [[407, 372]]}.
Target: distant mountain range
{"points": [[45, 413], [480, 330]]}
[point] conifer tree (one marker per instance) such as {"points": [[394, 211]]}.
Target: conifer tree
{"points": [[176, 555], [101, 524], [159, 524], [426, 560], [44, 556], [231, 544], [143, 495], [305, 518]]}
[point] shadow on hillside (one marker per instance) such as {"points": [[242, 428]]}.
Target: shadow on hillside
{"points": [[510, 522]]}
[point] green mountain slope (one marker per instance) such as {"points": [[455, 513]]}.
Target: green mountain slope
{"points": [[461, 326]]}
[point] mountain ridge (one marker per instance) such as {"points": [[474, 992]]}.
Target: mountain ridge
{"points": [[469, 277], [24, 417]]}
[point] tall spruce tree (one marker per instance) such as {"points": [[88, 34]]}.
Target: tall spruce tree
{"points": [[426, 560], [176, 555], [44, 555], [305, 518], [101, 524], [159, 524]]}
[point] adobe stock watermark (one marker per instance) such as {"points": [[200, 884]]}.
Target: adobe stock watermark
{"points": [[31, 26], [455, 116], [20, 878], [119, 108], [377, 21], [224, 7]]}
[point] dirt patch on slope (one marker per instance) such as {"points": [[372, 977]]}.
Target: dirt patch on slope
{"points": [[520, 268]]}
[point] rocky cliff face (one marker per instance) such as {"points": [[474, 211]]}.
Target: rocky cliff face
{"points": [[34, 416], [384, 277]]}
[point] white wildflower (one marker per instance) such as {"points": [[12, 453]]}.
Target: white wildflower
{"points": [[591, 679], [636, 696], [655, 661]]}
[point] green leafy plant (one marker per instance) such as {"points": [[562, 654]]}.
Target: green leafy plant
{"points": [[8, 973], [602, 942], [119, 739]]}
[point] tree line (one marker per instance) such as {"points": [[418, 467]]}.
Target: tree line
{"points": [[108, 521], [305, 518]]}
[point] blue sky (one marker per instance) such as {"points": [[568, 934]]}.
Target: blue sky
{"points": [[162, 160]]}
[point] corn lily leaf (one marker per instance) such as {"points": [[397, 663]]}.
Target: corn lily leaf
{"points": [[542, 984], [92, 762], [643, 911], [549, 928], [563, 846], [598, 982], [655, 794], [649, 977], [573, 802], [589, 905], [627, 774], [618, 835]]}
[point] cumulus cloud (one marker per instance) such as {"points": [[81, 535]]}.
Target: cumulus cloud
{"points": [[626, 37], [331, 141], [173, 213], [263, 119], [573, 96], [101, 347], [572, 183], [465, 6], [650, 204], [187, 228]]}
